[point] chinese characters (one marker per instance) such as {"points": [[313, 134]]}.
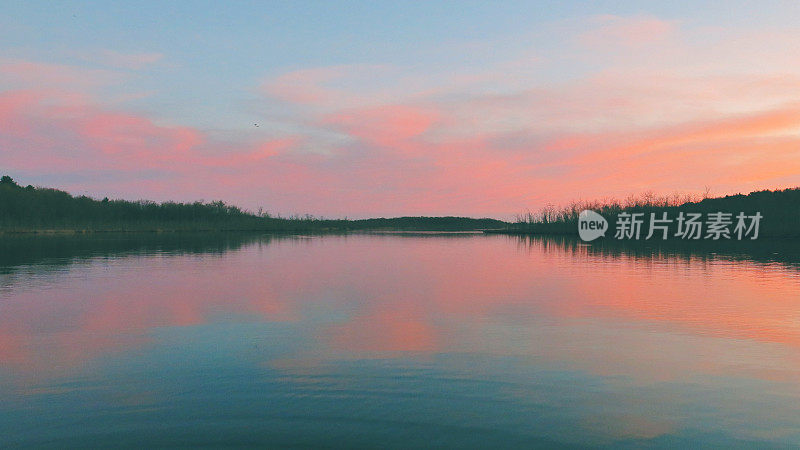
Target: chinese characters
{"points": [[714, 226]]}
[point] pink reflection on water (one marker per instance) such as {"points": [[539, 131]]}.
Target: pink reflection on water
{"points": [[602, 313], [385, 330]]}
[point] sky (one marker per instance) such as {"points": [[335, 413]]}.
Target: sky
{"points": [[362, 109]]}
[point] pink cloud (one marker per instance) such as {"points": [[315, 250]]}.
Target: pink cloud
{"points": [[356, 144], [316, 86], [302, 86], [125, 135], [38, 75], [396, 160], [388, 125], [622, 31], [44, 124], [48, 132]]}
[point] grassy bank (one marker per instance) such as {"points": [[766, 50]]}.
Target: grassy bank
{"points": [[780, 210]]}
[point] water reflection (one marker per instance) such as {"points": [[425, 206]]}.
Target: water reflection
{"points": [[398, 340], [767, 251]]}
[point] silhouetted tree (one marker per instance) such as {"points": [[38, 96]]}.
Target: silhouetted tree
{"points": [[8, 181]]}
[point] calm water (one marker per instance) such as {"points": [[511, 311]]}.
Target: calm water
{"points": [[396, 341]]}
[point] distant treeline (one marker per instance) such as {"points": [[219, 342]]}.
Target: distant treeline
{"points": [[36, 209], [426, 223], [780, 211]]}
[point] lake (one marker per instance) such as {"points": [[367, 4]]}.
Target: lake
{"points": [[396, 341]]}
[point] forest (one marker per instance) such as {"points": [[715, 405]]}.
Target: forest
{"points": [[39, 209]]}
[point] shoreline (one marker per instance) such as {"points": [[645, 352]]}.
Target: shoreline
{"points": [[67, 232], [83, 232]]}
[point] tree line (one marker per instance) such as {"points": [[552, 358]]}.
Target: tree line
{"points": [[31, 209], [780, 210]]}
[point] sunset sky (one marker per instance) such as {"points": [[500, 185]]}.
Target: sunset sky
{"points": [[364, 109]]}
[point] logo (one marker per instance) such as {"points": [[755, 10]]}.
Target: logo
{"points": [[591, 225]]}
